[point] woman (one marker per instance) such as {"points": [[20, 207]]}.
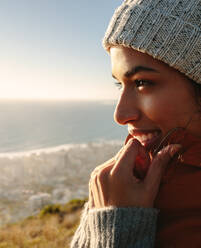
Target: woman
{"points": [[148, 195]]}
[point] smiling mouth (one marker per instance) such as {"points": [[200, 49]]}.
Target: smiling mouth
{"points": [[144, 138], [149, 139], [154, 140]]}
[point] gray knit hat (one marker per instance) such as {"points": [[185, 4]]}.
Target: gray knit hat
{"points": [[168, 30]]}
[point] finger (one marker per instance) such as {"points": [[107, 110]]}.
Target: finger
{"points": [[126, 160], [102, 187], [127, 139], [93, 191], [100, 167], [159, 164], [116, 157], [91, 198], [99, 185], [110, 162], [142, 163]]}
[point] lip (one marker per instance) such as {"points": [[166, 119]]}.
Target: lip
{"points": [[149, 144], [152, 143]]}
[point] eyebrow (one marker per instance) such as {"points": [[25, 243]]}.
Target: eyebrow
{"points": [[135, 70]]}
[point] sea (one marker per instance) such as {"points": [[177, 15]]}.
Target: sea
{"points": [[48, 150]]}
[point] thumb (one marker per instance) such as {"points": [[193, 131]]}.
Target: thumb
{"points": [[158, 165]]}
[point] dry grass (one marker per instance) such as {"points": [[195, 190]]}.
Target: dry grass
{"points": [[50, 229]]}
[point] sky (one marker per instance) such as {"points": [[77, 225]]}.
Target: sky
{"points": [[51, 49]]}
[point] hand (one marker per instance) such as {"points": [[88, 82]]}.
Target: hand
{"points": [[115, 183]]}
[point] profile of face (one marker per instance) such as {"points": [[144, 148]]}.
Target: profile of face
{"points": [[154, 98]]}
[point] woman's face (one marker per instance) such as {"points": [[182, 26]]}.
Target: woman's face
{"points": [[154, 98]]}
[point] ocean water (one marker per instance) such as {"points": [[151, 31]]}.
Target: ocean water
{"points": [[48, 150]]}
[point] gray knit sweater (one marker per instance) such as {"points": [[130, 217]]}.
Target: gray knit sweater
{"points": [[113, 227]]}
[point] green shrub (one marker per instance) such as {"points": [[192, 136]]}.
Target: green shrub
{"points": [[74, 205], [50, 209], [61, 210]]}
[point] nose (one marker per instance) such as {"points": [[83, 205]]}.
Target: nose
{"points": [[126, 109]]}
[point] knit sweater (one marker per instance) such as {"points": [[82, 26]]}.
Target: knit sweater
{"points": [[178, 223], [113, 227]]}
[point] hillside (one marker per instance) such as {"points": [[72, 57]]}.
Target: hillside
{"points": [[53, 227]]}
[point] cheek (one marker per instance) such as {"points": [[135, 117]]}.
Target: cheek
{"points": [[162, 110]]}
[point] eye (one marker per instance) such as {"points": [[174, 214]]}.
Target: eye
{"points": [[118, 85], [143, 83], [138, 83]]}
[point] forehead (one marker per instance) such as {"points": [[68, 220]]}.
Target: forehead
{"points": [[123, 59]]}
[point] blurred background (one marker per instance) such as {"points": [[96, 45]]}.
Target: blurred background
{"points": [[57, 99], [52, 49]]}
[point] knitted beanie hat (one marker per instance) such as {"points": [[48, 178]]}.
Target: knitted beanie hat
{"points": [[168, 30]]}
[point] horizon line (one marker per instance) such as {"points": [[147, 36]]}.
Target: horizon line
{"points": [[55, 99]]}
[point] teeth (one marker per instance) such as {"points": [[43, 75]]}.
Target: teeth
{"points": [[145, 137]]}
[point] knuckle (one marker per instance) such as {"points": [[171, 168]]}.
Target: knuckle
{"points": [[102, 174], [89, 184], [96, 170], [92, 178], [133, 142], [92, 175], [117, 176], [115, 173], [167, 149], [164, 155]]}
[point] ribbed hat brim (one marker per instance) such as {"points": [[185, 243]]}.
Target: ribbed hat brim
{"points": [[165, 33]]}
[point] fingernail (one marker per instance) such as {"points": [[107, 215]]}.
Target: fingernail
{"points": [[127, 139], [174, 149]]}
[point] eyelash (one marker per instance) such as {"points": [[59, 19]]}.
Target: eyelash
{"points": [[145, 83]]}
